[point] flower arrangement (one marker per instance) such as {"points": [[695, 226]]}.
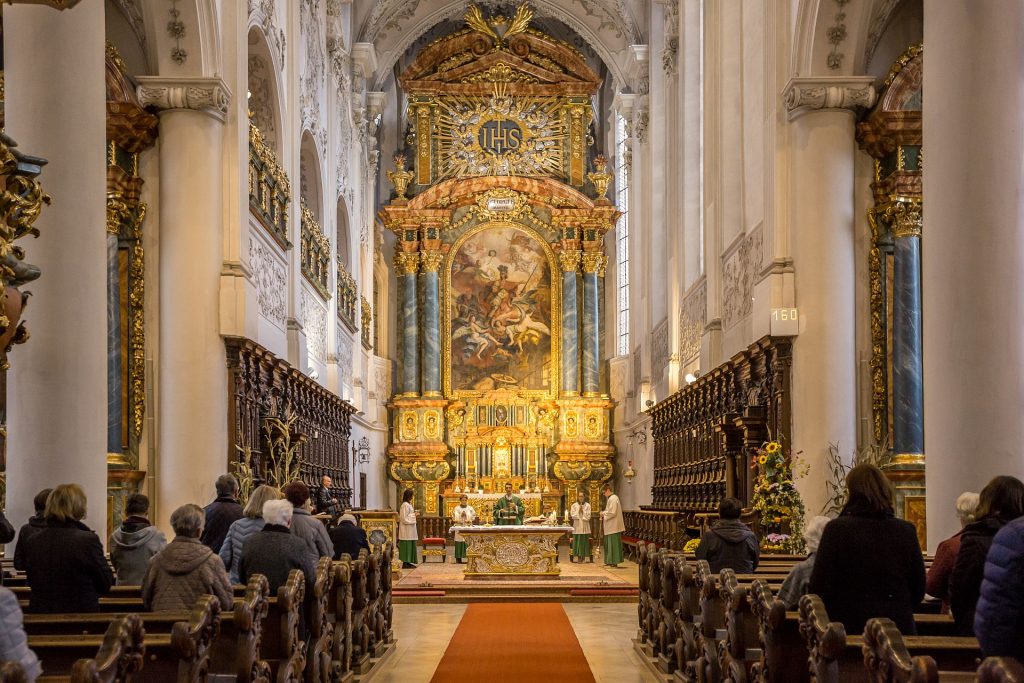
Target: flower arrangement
{"points": [[776, 499], [691, 545]]}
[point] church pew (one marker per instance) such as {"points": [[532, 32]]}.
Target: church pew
{"points": [[282, 647], [888, 660], [341, 613], [1001, 670], [319, 666], [835, 657]]}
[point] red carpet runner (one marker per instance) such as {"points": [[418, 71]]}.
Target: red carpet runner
{"points": [[514, 643]]}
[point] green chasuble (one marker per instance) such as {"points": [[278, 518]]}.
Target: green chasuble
{"points": [[508, 511]]}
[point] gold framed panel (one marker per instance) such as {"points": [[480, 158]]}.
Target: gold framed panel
{"points": [[556, 312]]}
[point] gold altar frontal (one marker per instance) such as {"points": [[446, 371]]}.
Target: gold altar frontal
{"points": [[520, 551]]}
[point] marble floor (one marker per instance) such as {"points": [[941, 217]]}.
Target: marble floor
{"points": [[603, 629]]}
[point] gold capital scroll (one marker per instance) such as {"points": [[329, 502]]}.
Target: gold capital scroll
{"points": [[407, 262], [431, 260], [570, 260], [594, 262], [907, 217]]}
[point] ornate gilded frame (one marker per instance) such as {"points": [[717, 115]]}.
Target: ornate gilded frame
{"points": [[556, 312]]}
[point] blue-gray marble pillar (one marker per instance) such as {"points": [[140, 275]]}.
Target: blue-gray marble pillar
{"points": [[590, 346], [114, 356], [408, 264], [570, 260], [907, 363], [431, 346]]}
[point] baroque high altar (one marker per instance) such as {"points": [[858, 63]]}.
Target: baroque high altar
{"points": [[500, 266]]}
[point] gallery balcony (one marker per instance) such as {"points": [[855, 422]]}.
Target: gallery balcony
{"points": [[269, 189]]}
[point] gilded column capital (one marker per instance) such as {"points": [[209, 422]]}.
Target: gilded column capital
{"points": [[851, 93], [594, 262], [407, 262], [431, 260], [907, 217], [207, 95], [570, 260]]}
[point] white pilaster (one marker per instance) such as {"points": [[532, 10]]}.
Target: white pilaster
{"points": [[823, 225], [57, 384], [193, 394], [973, 260]]}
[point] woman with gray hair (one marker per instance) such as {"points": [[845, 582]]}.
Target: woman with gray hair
{"points": [[274, 551], [799, 576], [185, 569], [936, 582]]}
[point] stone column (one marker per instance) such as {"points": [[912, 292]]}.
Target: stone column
{"points": [[570, 261], [431, 261], [192, 385], [593, 269], [973, 260], [406, 265], [823, 227], [56, 386], [907, 370]]}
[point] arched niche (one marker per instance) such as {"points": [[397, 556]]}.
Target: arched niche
{"points": [[262, 84], [343, 236], [310, 181], [124, 29]]}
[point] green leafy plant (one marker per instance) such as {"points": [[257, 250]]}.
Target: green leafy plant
{"points": [[777, 500], [835, 483], [284, 447], [242, 469]]}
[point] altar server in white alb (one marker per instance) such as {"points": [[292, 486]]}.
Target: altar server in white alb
{"points": [[462, 515], [613, 525], [580, 515], [407, 535]]}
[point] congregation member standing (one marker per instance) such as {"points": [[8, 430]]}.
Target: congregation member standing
{"points": [[66, 569], [134, 542], [613, 526], [274, 551], [304, 525], [407, 534], [250, 523], [869, 563], [224, 511], [1000, 502], [579, 513], [462, 515], [999, 617], [936, 583], [186, 569], [36, 523], [729, 543], [348, 538]]}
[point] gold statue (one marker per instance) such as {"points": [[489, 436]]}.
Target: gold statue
{"points": [[400, 177], [499, 27], [599, 177]]}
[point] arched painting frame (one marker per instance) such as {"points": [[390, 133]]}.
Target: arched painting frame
{"points": [[502, 322]]}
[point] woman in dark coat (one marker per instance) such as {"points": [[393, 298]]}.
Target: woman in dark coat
{"points": [[869, 564], [64, 562], [1000, 502]]}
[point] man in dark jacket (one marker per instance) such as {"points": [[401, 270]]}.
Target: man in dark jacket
{"points": [[36, 523], [348, 537], [325, 501], [135, 542], [275, 551], [729, 543], [999, 617], [221, 513]]}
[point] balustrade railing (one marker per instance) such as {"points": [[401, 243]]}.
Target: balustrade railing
{"points": [[316, 253], [269, 190], [348, 297], [367, 323]]}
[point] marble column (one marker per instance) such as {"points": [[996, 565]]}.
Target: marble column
{"points": [[431, 261], [973, 256], [406, 265], [823, 226], [590, 347], [570, 261], [908, 373], [56, 387], [114, 358], [192, 405]]}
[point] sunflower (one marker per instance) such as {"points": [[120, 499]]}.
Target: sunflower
{"points": [[762, 459], [773, 447]]}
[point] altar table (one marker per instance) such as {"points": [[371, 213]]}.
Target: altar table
{"points": [[525, 551]]}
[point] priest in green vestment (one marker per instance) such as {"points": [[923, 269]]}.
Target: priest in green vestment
{"points": [[509, 509]]}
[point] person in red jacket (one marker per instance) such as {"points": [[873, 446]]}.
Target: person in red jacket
{"points": [[936, 582]]}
